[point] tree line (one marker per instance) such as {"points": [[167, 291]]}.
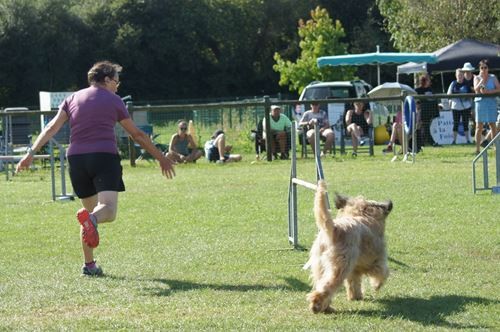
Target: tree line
{"points": [[170, 49], [179, 49]]}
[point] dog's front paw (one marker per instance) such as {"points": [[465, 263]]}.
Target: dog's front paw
{"points": [[318, 303]]}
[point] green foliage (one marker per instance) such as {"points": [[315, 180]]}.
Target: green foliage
{"points": [[36, 39], [169, 49], [208, 250], [319, 36], [427, 25]]}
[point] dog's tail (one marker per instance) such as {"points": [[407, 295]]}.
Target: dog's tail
{"points": [[322, 214]]}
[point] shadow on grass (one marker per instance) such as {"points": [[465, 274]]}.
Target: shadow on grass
{"points": [[395, 261], [429, 312], [170, 286]]}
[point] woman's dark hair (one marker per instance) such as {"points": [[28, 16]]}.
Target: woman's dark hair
{"points": [[484, 63], [423, 79], [101, 70], [217, 133]]}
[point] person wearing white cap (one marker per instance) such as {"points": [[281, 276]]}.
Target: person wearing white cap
{"points": [[460, 107], [280, 126], [467, 69]]}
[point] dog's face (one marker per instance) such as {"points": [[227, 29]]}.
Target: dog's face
{"points": [[358, 206]]}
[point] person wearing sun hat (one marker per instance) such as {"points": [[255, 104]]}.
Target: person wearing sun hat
{"points": [[467, 69], [460, 107]]}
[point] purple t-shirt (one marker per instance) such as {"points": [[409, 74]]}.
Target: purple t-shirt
{"points": [[93, 113]]}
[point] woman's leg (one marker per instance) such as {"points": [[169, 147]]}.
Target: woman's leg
{"points": [[310, 139], [478, 135], [220, 143], [354, 130], [456, 120], [107, 206], [103, 208], [493, 129], [174, 157], [89, 204], [329, 135], [234, 158], [394, 134], [193, 156], [466, 119]]}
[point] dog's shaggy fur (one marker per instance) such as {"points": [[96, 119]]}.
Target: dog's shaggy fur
{"points": [[347, 247]]}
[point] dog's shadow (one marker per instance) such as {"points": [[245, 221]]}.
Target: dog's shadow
{"points": [[168, 287], [428, 312]]}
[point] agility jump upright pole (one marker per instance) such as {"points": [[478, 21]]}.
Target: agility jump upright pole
{"points": [[62, 153], [294, 181]]}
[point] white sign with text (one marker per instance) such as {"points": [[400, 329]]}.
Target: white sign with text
{"points": [[442, 129]]}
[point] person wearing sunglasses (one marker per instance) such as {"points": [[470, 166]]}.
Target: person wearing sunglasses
{"points": [[94, 163], [486, 107], [182, 147]]}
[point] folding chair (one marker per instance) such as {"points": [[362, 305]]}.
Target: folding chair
{"points": [[143, 154], [302, 131]]}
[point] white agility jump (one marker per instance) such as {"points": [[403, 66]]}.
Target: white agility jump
{"points": [[9, 162], [294, 181]]}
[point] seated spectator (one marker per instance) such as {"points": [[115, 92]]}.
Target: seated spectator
{"points": [[182, 148], [358, 122], [280, 129], [217, 151], [396, 133], [319, 117]]}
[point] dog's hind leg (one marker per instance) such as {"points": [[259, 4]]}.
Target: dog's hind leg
{"points": [[321, 297], [378, 275], [353, 287]]}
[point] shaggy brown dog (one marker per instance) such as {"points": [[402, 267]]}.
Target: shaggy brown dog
{"points": [[347, 247]]}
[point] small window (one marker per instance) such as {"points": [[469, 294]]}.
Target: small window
{"points": [[316, 93], [342, 92]]}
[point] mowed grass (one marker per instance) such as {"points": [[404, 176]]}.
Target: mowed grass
{"points": [[209, 250]]}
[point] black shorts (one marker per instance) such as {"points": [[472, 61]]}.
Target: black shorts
{"points": [[213, 154], [92, 173]]}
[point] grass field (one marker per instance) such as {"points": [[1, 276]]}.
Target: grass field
{"points": [[209, 250]]}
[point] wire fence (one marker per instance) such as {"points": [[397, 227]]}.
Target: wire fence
{"points": [[237, 118]]}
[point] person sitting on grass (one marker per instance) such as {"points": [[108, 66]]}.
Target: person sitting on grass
{"points": [[182, 148], [217, 151]]}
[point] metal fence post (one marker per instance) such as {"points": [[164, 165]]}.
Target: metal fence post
{"points": [[267, 107], [131, 147]]}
